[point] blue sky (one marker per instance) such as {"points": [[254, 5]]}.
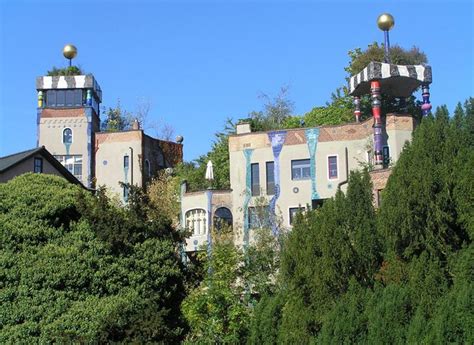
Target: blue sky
{"points": [[199, 62]]}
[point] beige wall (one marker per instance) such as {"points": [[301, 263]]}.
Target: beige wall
{"points": [[28, 166], [50, 135], [333, 141], [111, 147]]}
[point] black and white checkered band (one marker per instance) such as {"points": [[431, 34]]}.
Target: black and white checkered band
{"points": [[396, 80]]}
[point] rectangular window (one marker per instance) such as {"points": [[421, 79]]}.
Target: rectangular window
{"points": [[317, 203], [125, 193], [255, 179], [69, 98], [77, 97], [60, 98], [270, 178], [258, 217], [300, 169], [332, 167], [38, 167], [294, 211], [126, 162], [51, 98], [73, 163], [386, 155]]}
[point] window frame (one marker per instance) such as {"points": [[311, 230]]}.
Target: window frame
{"points": [[72, 135], [126, 161], [261, 216], [126, 192], [255, 187], [203, 231], [268, 184], [292, 215], [328, 170], [40, 166], [148, 168], [302, 178]]}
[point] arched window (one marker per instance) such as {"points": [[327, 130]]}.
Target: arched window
{"points": [[67, 136], [196, 221], [222, 217]]}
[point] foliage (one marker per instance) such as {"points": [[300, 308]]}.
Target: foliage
{"points": [[375, 52], [423, 183], [326, 248], [117, 119], [274, 114], [401, 275], [163, 194], [216, 310], [66, 71], [75, 268], [194, 172]]}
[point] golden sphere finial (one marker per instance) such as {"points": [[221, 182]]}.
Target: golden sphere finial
{"points": [[69, 51], [385, 21]]}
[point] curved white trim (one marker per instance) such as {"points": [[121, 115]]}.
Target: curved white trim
{"points": [[62, 135]]}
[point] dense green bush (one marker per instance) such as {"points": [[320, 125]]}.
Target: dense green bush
{"points": [[62, 280]]}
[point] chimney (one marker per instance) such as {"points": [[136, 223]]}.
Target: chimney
{"points": [[243, 128], [135, 125]]}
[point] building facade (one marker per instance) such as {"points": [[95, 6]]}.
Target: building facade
{"points": [[275, 174], [68, 119]]}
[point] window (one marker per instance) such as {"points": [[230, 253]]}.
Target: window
{"points": [[259, 217], [64, 98], [125, 193], [73, 163], [38, 167], [386, 155], [317, 203], [270, 178], [61, 98], [294, 211], [196, 221], [126, 162], [222, 218], [300, 169], [255, 179], [332, 167], [51, 98], [379, 197], [147, 168], [67, 136]]}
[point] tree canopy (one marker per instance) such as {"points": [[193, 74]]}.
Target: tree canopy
{"points": [[75, 268], [66, 71]]}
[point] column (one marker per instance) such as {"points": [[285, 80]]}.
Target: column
{"points": [[426, 106], [357, 108], [378, 138]]}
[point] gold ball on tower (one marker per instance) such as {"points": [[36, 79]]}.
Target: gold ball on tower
{"points": [[69, 51], [385, 21]]}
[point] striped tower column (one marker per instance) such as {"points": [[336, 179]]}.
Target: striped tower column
{"points": [[376, 103], [357, 108], [426, 106]]}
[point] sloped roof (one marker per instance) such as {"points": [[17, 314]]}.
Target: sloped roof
{"points": [[13, 159], [10, 161]]}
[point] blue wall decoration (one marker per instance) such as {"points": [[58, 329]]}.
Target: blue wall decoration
{"points": [[209, 211], [248, 194], [312, 135], [277, 139]]}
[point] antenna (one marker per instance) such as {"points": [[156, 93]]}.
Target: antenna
{"points": [[69, 52], [385, 23]]}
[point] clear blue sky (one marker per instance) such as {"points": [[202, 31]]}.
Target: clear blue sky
{"points": [[198, 63]]}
